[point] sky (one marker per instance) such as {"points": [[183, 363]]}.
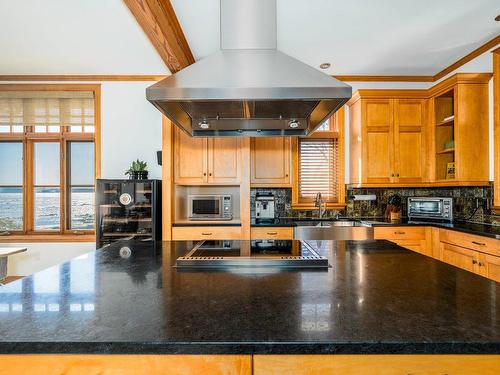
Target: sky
{"points": [[47, 163]]}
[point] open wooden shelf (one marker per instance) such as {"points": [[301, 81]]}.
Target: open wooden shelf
{"points": [[127, 220], [117, 234]]}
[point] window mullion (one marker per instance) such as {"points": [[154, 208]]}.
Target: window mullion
{"points": [[62, 188], [29, 199]]}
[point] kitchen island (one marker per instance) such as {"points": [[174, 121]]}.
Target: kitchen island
{"points": [[376, 298]]}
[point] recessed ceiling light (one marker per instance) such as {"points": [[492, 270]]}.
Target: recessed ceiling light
{"points": [[325, 65], [497, 18]]}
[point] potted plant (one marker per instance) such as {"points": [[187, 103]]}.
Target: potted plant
{"points": [[137, 170]]}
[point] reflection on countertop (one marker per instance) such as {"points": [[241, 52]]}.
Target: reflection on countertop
{"points": [[127, 298]]}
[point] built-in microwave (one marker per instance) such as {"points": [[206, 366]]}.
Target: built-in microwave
{"points": [[210, 207], [430, 208]]}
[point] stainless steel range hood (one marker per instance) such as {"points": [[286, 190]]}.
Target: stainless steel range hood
{"points": [[248, 88]]}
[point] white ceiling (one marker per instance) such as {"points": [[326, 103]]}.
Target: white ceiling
{"points": [[382, 37], [73, 37], [358, 37]]}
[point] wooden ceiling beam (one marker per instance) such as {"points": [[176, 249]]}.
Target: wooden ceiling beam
{"points": [[158, 21]]}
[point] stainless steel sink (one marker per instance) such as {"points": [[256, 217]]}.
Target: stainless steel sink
{"points": [[332, 230], [338, 223]]}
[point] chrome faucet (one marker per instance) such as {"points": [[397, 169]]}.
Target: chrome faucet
{"points": [[318, 202]]}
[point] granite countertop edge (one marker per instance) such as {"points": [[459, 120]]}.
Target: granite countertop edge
{"points": [[460, 227], [201, 348]]}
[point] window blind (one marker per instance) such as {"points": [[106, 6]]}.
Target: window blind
{"points": [[51, 108], [318, 160]]}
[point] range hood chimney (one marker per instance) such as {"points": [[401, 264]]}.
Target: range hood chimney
{"points": [[248, 88]]}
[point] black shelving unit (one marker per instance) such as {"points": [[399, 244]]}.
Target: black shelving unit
{"points": [[128, 209]]}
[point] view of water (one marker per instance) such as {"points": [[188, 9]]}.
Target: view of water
{"points": [[47, 208]]}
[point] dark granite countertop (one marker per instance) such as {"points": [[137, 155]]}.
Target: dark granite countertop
{"points": [[272, 223], [127, 298], [207, 224], [492, 231]]}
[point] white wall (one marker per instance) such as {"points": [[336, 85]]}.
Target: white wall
{"points": [[481, 64], [130, 128]]}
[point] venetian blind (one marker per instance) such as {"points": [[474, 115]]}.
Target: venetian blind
{"points": [[318, 161], [48, 108]]}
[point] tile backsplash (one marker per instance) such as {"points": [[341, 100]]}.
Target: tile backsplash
{"points": [[282, 202], [464, 199]]}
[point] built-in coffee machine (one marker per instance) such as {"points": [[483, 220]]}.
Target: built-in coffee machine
{"points": [[264, 206]]}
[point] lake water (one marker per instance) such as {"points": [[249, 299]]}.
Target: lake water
{"points": [[47, 210]]}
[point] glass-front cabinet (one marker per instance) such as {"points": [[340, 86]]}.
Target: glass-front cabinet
{"points": [[128, 209]]}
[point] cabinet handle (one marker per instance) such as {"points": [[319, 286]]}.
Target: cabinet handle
{"points": [[206, 233], [392, 174], [204, 174], [272, 233], [210, 174], [397, 174], [474, 261], [286, 175], [480, 264], [478, 243], [399, 232]]}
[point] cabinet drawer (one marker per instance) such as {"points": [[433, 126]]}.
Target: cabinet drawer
{"points": [[479, 243], [459, 257], [203, 233], [266, 233], [400, 233]]}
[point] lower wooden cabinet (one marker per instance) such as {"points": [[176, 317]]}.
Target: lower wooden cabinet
{"points": [[414, 238], [375, 364], [271, 233], [460, 257], [489, 266], [473, 253], [326, 364], [54, 364], [206, 233]]}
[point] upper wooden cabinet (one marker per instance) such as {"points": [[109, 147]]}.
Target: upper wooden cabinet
{"points": [[270, 159], [419, 137], [387, 140], [201, 161], [459, 119]]}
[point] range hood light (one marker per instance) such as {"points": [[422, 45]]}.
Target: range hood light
{"points": [[294, 124], [203, 125]]}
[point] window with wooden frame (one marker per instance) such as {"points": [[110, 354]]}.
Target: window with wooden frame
{"points": [[318, 165], [49, 160]]}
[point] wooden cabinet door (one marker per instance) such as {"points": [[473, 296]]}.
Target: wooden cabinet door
{"points": [[409, 135], [190, 159], [378, 154], [489, 266], [460, 257], [270, 161], [224, 161]]}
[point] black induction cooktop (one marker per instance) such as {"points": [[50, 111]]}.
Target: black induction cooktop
{"points": [[256, 253]]}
